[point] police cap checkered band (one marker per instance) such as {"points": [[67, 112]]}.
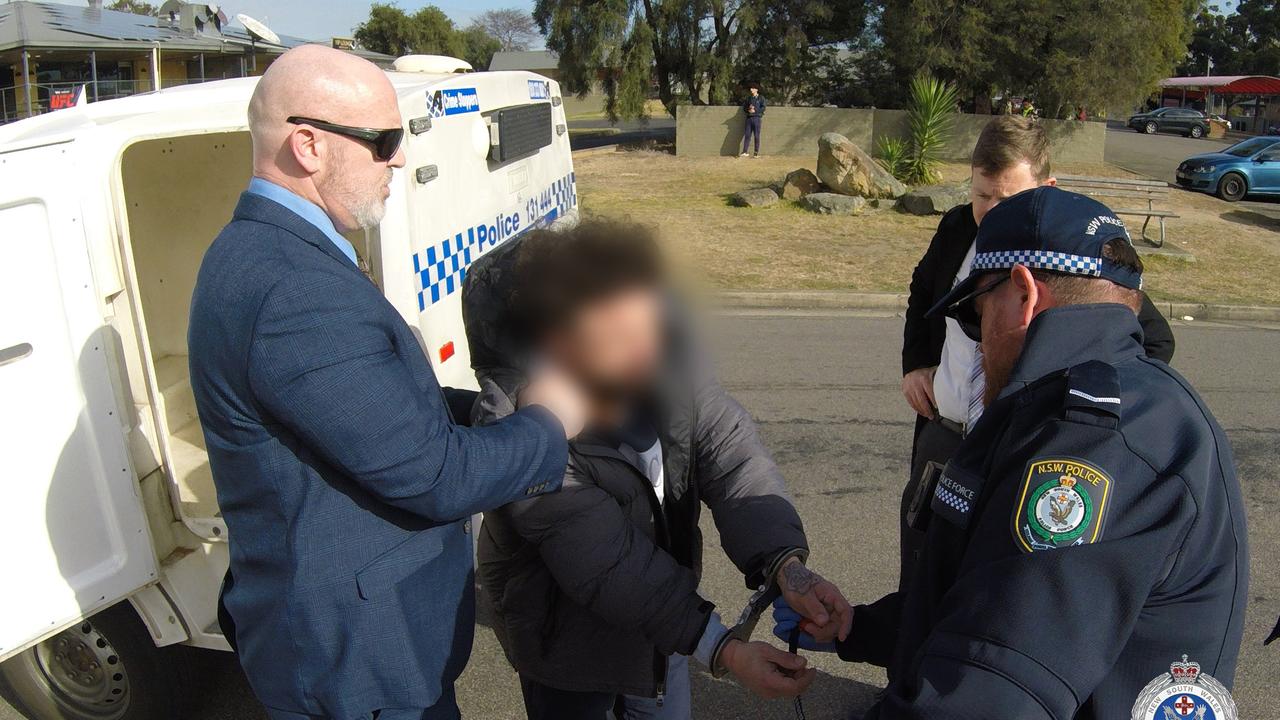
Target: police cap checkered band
{"points": [[1040, 260], [1046, 229]]}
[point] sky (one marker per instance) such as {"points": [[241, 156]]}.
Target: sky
{"points": [[323, 19]]}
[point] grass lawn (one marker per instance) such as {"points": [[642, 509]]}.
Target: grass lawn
{"points": [[787, 248]]}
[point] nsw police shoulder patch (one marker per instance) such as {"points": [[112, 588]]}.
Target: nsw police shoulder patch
{"points": [[1062, 503]]}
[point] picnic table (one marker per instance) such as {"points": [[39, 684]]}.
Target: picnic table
{"points": [[1139, 193]]}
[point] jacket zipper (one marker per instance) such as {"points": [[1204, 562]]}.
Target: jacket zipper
{"points": [[664, 542]]}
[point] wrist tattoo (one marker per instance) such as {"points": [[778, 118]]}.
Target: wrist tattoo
{"points": [[799, 579]]}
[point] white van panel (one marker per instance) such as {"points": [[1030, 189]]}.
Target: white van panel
{"points": [[472, 205], [72, 531]]}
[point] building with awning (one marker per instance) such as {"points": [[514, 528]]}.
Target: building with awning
{"points": [[48, 51], [1247, 90]]}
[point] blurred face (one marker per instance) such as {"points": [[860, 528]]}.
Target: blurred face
{"points": [[1006, 312], [613, 346], [755, 92], [987, 191]]}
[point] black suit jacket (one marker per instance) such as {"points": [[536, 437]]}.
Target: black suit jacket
{"points": [[922, 337]]}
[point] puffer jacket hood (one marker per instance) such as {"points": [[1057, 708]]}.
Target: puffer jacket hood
{"points": [[498, 355]]}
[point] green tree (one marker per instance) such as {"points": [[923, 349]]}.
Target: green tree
{"points": [[1255, 28], [1065, 53], [1213, 40], [1243, 43], [478, 46], [793, 48], [134, 6], [696, 50], [427, 31]]}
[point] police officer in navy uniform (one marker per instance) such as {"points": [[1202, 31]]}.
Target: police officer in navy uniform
{"points": [[1090, 529]]}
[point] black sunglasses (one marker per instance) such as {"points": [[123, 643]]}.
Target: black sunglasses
{"points": [[965, 311], [385, 143]]}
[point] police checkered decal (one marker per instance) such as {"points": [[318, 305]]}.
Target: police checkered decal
{"points": [[952, 500], [440, 269], [1039, 259]]}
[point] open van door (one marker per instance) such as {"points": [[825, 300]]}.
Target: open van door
{"points": [[73, 535]]}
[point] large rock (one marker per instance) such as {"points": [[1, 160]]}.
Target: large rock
{"points": [[826, 203], [934, 199], [800, 183], [756, 198], [846, 169]]}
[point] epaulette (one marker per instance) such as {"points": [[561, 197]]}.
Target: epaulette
{"points": [[1092, 394]]}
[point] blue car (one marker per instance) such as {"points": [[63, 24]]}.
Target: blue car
{"points": [[1251, 167]]}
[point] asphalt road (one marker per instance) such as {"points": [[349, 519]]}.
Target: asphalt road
{"points": [[1158, 156], [824, 388]]}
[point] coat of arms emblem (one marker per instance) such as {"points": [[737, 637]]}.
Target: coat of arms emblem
{"points": [[1184, 692]]}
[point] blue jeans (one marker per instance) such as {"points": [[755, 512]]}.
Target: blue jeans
{"points": [[753, 129], [546, 703]]}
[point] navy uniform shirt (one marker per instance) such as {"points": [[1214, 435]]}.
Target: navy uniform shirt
{"points": [[1089, 532]]}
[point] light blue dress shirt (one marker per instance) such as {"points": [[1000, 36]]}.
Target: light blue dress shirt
{"points": [[306, 210]]}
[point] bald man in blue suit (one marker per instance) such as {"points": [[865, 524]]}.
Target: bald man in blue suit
{"points": [[346, 487]]}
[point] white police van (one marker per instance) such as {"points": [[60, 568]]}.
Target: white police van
{"points": [[112, 543]]}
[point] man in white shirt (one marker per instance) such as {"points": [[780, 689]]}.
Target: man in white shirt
{"points": [[942, 369]]}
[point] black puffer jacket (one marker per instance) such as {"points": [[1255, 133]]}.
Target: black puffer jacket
{"points": [[593, 586]]}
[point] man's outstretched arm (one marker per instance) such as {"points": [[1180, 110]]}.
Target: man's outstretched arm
{"points": [[759, 527], [325, 371]]}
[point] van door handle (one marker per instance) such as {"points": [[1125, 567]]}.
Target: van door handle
{"points": [[14, 353]]}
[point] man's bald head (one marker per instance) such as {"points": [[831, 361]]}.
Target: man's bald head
{"points": [[338, 173], [319, 82]]}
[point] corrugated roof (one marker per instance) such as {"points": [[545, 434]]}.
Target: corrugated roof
{"points": [[534, 60], [1228, 84], [52, 25]]}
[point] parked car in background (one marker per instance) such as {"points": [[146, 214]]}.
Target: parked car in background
{"points": [[1185, 121], [1248, 167]]}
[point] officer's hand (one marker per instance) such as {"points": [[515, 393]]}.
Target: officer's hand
{"points": [[827, 615], [767, 671], [917, 387], [553, 390], [785, 622]]}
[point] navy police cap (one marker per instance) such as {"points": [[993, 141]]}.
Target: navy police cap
{"points": [[1050, 229]]}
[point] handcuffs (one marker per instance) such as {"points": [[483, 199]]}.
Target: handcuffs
{"points": [[756, 606]]}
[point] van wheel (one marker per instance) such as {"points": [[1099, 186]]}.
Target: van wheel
{"points": [[105, 668], [1232, 187]]}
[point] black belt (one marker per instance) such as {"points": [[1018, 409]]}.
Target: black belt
{"points": [[951, 425]]}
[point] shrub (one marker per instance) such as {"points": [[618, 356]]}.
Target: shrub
{"points": [[931, 116], [893, 153]]}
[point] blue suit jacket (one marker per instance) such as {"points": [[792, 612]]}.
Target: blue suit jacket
{"points": [[345, 486]]}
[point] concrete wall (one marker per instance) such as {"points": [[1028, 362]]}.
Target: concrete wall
{"points": [[705, 130], [709, 130]]}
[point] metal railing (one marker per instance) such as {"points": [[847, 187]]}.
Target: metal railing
{"points": [[13, 103]]}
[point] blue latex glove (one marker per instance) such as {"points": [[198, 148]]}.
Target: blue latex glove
{"points": [[786, 620]]}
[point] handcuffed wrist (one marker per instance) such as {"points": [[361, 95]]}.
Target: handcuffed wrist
{"points": [[709, 643], [771, 575]]}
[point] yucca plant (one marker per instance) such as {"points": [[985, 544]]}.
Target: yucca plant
{"points": [[893, 154], [931, 116]]}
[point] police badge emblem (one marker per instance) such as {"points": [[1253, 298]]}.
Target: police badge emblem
{"points": [[1062, 504], [1184, 692]]}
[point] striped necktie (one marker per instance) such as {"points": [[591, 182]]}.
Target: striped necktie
{"points": [[977, 389]]}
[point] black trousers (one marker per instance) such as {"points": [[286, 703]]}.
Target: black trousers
{"points": [[935, 442]]}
